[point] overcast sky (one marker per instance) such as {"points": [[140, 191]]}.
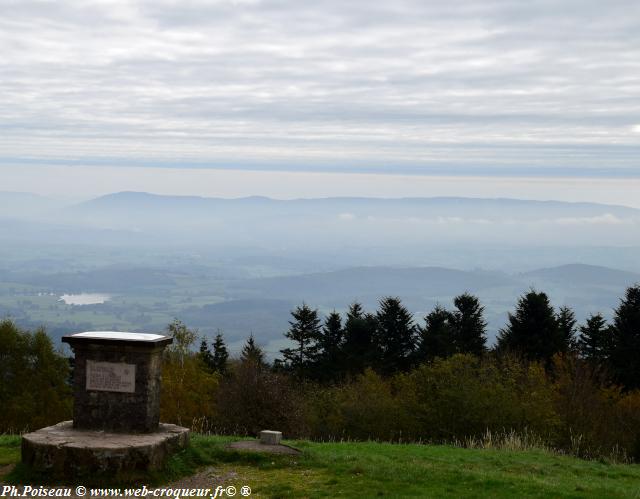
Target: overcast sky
{"points": [[511, 89]]}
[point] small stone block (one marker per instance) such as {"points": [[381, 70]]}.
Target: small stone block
{"points": [[268, 437]]}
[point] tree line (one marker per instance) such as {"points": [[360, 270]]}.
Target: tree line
{"points": [[383, 375], [389, 340]]}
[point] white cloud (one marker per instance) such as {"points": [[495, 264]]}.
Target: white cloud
{"points": [[440, 220], [605, 219], [337, 85], [449, 220], [346, 216]]}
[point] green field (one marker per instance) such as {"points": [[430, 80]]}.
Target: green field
{"points": [[370, 469]]}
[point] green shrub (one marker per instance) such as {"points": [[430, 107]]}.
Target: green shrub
{"points": [[189, 391], [366, 408], [597, 418], [446, 400], [253, 398], [463, 396], [34, 389]]}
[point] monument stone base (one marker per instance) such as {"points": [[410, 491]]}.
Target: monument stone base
{"points": [[62, 451]]}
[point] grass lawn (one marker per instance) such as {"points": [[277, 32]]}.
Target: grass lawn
{"points": [[9, 449], [388, 470]]}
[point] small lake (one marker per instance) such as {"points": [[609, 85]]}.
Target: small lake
{"points": [[85, 299]]}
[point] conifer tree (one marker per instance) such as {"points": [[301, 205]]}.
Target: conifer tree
{"points": [[206, 356], [566, 329], [220, 355], [532, 330], [394, 337], [469, 325], [595, 340], [331, 355], [358, 347], [304, 331], [437, 337], [251, 352], [626, 339]]}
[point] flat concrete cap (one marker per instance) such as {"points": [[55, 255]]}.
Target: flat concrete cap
{"points": [[117, 338]]}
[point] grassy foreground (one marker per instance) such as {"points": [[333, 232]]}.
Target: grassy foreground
{"points": [[389, 470]]}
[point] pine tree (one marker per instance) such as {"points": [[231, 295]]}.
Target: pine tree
{"points": [[470, 328], [533, 330], [395, 336], [437, 337], [358, 347], [595, 341], [205, 355], [220, 355], [252, 353], [331, 354], [566, 329], [626, 339], [305, 333]]}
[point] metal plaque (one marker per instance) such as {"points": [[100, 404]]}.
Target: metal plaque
{"points": [[111, 377]]}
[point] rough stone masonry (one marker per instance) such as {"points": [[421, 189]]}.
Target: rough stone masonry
{"points": [[117, 379], [116, 413]]}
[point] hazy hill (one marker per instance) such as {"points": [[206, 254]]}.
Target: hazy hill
{"points": [[584, 275], [26, 205], [267, 318], [339, 288], [139, 205], [342, 232], [59, 231], [339, 225]]}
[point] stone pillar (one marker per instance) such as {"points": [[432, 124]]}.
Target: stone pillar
{"points": [[117, 379]]}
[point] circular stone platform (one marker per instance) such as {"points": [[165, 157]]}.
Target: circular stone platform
{"points": [[61, 450]]}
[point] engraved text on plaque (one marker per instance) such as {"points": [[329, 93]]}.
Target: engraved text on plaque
{"points": [[111, 377]]}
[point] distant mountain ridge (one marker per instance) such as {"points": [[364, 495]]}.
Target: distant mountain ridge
{"points": [[340, 232], [582, 274], [133, 198], [146, 200], [260, 216]]}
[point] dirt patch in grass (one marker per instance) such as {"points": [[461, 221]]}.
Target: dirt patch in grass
{"points": [[256, 446], [5, 470]]}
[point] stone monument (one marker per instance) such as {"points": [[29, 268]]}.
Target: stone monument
{"points": [[116, 412]]}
